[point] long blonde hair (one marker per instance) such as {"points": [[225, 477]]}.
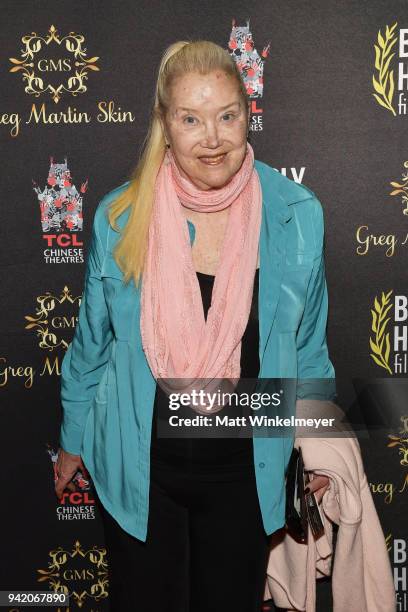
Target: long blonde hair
{"points": [[182, 57]]}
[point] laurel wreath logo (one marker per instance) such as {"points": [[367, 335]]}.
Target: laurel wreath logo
{"points": [[384, 84], [380, 345]]}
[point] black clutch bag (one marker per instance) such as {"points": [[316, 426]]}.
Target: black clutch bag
{"points": [[301, 509]]}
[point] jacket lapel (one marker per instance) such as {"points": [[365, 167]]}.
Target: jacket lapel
{"points": [[273, 244], [278, 193]]}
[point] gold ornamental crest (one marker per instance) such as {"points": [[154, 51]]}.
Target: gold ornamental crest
{"points": [[35, 64], [53, 319], [81, 574], [400, 440], [401, 189]]}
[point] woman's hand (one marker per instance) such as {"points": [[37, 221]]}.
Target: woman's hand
{"points": [[66, 467], [318, 485]]}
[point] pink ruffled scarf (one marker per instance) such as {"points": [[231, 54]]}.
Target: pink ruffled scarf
{"points": [[178, 342]]}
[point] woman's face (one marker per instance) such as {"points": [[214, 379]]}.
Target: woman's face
{"points": [[206, 125]]}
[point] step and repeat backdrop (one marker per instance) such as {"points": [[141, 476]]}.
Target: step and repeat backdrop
{"points": [[329, 88]]}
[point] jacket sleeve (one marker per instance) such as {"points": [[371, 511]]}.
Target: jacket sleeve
{"points": [[316, 375], [87, 356]]}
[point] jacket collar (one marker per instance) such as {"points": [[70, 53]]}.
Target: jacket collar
{"points": [[279, 192]]}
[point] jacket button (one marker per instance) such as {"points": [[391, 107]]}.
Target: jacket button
{"points": [[262, 465]]}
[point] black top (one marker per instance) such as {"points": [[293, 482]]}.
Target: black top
{"points": [[229, 453]]}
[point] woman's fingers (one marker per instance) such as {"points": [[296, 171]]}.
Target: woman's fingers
{"points": [[64, 482], [65, 469], [318, 485], [317, 482]]}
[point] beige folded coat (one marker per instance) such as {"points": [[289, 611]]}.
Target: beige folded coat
{"points": [[360, 569]]}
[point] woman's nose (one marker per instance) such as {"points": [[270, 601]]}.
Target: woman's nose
{"points": [[211, 139]]}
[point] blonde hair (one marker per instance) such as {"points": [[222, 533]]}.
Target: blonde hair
{"points": [[180, 58]]}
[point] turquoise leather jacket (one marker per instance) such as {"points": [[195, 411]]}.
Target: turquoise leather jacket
{"points": [[108, 390]]}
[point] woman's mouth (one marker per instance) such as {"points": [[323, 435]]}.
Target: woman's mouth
{"points": [[214, 160]]}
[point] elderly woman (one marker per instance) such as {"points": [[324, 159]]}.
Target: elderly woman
{"points": [[206, 264]]}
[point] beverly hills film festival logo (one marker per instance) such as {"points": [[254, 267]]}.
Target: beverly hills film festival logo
{"points": [[390, 79], [389, 338], [251, 66], [61, 212], [397, 548]]}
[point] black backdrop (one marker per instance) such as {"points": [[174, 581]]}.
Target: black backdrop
{"points": [[315, 118]]}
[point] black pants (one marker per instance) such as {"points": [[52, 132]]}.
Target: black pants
{"points": [[206, 548]]}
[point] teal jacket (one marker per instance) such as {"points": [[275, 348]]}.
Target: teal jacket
{"points": [[108, 390]]}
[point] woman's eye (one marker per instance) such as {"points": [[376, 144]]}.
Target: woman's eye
{"points": [[186, 120], [228, 115]]}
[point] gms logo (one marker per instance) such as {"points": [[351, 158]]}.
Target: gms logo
{"points": [[389, 324], [251, 67], [398, 441], [61, 215], [383, 80], [401, 189], [390, 243], [81, 573], [55, 316], [54, 64]]}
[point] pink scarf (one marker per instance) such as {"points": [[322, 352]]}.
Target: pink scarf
{"points": [[177, 340]]}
